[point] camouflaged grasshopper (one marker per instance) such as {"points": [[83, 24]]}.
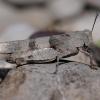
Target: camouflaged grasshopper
{"points": [[47, 49]]}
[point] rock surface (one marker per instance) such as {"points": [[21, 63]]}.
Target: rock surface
{"points": [[73, 81]]}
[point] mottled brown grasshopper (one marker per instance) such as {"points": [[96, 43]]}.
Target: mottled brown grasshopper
{"points": [[57, 47]]}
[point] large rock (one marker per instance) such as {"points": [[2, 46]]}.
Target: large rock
{"points": [[73, 81]]}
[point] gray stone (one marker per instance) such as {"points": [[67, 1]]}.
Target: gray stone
{"points": [[73, 81]]}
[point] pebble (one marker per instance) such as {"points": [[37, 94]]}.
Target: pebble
{"points": [[6, 65], [18, 31], [65, 8]]}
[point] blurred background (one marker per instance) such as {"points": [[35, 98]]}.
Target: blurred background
{"points": [[19, 19]]}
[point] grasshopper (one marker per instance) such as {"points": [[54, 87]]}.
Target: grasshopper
{"points": [[68, 44]]}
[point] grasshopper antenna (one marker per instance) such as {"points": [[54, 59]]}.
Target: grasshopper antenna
{"points": [[97, 14]]}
